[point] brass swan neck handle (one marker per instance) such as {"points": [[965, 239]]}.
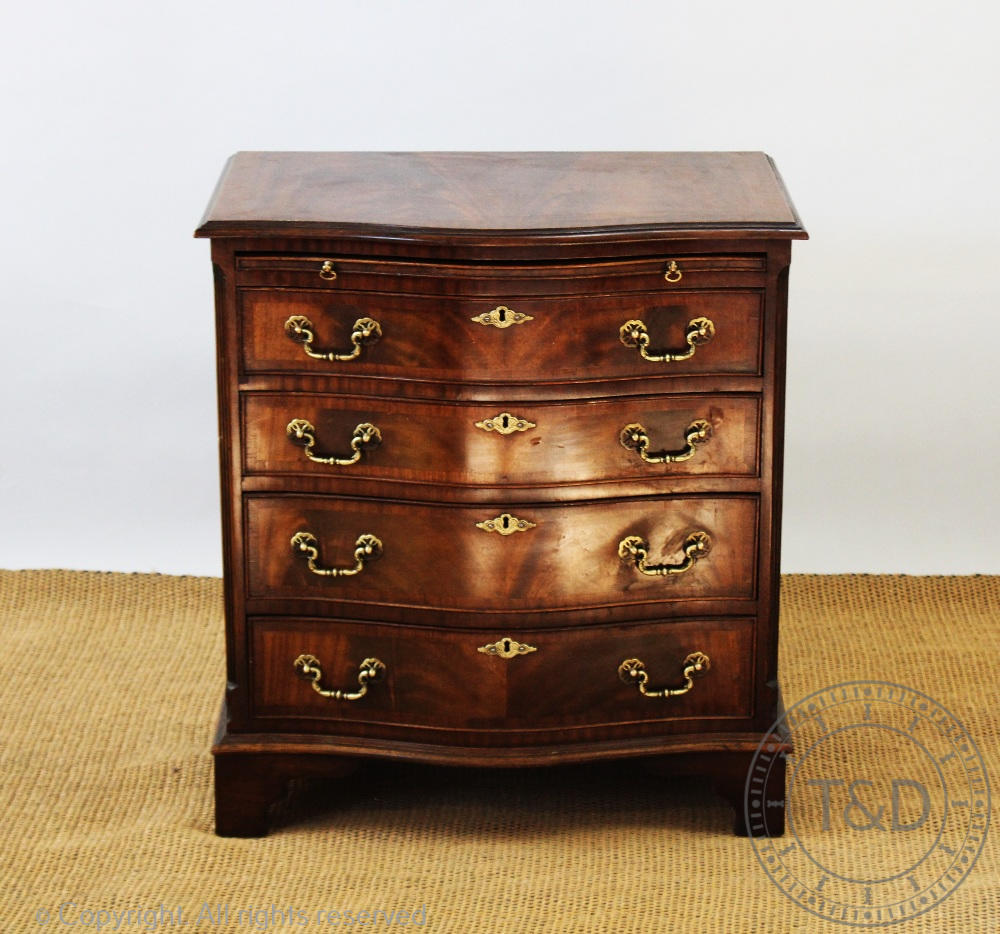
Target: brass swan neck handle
{"points": [[635, 550], [365, 436], [635, 438], [309, 667], [700, 331], [366, 548], [365, 331], [633, 671]]}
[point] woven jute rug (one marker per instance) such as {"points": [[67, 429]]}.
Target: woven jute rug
{"points": [[110, 687]]}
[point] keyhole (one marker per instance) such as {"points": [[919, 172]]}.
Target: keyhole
{"points": [[506, 645], [503, 314], [505, 421], [506, 522]]}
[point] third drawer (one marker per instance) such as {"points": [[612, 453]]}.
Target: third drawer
{"points": [[434, 561]]}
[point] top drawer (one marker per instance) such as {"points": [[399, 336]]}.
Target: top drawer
{"points": [[333, 273], [600, 336]]}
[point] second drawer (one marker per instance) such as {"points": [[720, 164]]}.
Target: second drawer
{"points": [[482, 444]]}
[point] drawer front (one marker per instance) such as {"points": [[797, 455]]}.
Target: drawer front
{"points": [[337, 273], [546, 340], [521, 445], [560, 678], [515, 558]]}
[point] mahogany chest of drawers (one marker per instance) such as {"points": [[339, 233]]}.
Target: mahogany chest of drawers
{"points": [[501, 462]]}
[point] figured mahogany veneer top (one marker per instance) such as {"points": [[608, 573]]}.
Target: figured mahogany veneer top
{"points": [[444, 195]]}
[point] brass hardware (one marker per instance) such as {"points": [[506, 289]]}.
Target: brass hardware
{"points": [[505, 524], [673, 273], [308, 667], [327, 271], [502, 317], [366, 548], [365, 435], [699, 332], [633, 671], [636, 550], [505, 424], [506, 648], [365, 331], [634, 438]]}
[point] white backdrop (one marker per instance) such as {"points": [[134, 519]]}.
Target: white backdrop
{"points": [[882, 117]]}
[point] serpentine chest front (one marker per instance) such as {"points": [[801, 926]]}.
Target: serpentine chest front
{"points": [[501, 459]]}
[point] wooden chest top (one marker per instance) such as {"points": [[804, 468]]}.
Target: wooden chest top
{"points": [[444, 194]]}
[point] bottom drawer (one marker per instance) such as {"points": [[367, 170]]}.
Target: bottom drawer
{"points": [[441, 679]]}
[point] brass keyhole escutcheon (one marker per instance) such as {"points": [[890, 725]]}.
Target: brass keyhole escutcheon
{"points": [[502, 317], [507, 648], [505, 524], [505, 424]]}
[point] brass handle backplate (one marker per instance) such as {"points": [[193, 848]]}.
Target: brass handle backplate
{"points": [[634, 438], [309, 667], [300, 329], [635, 550], [365, 435], [700, 331], [633, 671], [366, 548]]}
